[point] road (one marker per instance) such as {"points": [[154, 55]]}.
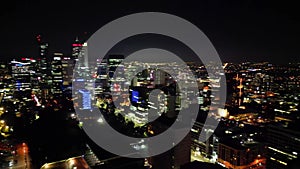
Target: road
{"points": [[71, 163], [1, 97], [22, 157], [198, 157]]}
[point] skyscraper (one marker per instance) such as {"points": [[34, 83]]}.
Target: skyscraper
{"points": [[76, 48], [174, 158], [42, 66], [43, 46], [208, 147], [21, 74], [115, 81], [101, 76], [85, 99], [67, 70], [57, 75], [83, 57]]}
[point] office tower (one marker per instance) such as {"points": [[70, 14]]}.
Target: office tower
{"points": [[85, 99], [67, 70], [139, 103], [115, 80], [57, 75], [42, 66], [76, 48], [160, 77], [43, 58], [82, 70], [84, 74], [283, 145], [43, 47], [82, 57], [101, 76], [237, 154], [114, 62], [21, 75], [72, 61], [206, 148], [174, 158]]}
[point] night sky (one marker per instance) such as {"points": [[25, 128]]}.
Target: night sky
{"points": [[241, 30]]}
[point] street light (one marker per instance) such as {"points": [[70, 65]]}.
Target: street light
{"points": [[72, 162], [2, 121]]}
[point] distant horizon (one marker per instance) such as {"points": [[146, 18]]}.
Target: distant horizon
{"points": [[5, 59]]}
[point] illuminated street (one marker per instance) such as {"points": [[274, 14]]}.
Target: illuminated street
{"points": [[71, 163], [198, 157], [22, 158]]}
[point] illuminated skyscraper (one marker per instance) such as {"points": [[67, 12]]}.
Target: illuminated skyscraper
{"points": [[57, 75], [76, 47], [114, 62], [85, 99], [42, 66], [43, 47], [101, 76], [115, 72], [83, 58], [67, 70], [21, 75]]}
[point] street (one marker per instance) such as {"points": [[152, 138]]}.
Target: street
{"points": [[22, 157]]}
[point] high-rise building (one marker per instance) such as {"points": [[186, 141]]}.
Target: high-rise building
{"points": [[101, 76], [207, 147], [238, 154], [76, 48], [85, 99], [160, 77], [21, 74], [42, 66], [43, 47], [179, 155], [115, 73], [115, 70], [82, 60], [57, 75], [43, 58], [67, 70], [283, 146]]}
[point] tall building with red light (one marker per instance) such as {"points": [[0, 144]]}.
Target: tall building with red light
{"points": [[42, 65], [42, 59], [76, 48], [43, 46]]}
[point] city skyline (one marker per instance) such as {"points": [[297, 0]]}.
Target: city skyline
{"points": [[134, 93], [262, 102]]}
